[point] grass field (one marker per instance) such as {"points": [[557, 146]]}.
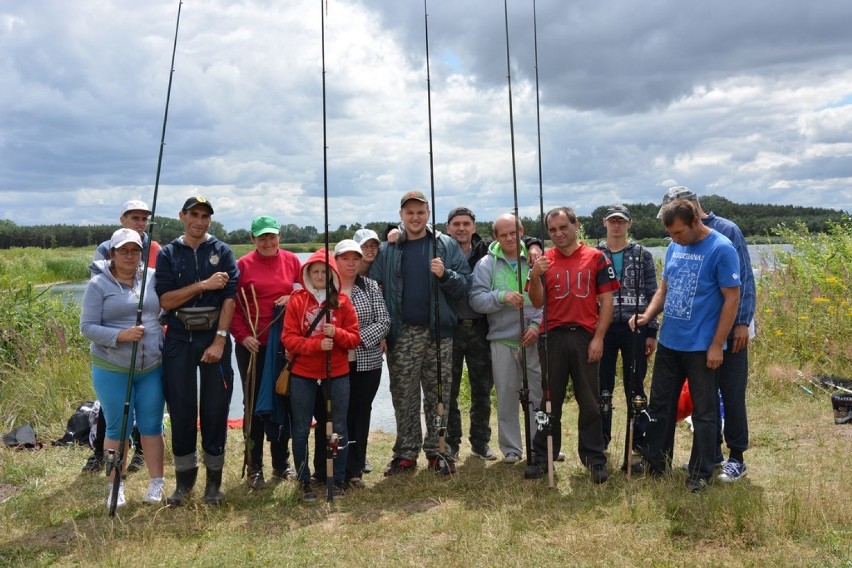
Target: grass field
{"points": [[790, 511]]}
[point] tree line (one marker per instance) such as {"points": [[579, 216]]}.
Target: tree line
{"points": [[754, 219]]}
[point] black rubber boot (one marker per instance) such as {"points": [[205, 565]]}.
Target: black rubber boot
{"points": [[212, 492], [185, 481]]}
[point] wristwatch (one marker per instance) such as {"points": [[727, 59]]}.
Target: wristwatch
{"points": [[222, 333]]}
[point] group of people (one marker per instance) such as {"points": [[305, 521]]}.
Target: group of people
{"points": [[519, 319]]}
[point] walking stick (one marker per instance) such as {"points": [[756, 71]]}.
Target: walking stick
{"points": [[524, 392], [249, 391], [445, 466], [543, 416], [116, 464]]}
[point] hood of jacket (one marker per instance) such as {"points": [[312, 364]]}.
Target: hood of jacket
{"points": [[320, 256]]}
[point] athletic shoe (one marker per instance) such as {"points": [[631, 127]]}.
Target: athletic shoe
{"points": [[355, 483], [284, 474], [120, 502], [368, 467], [136, 463], [256, 480], [732, 471], [308, 494], [95, 463], [154, 495], [695, 484], [599, 473], [485, 453], [512, 458], [338, 489], [560, 457], [535, 471], [400, 465]]}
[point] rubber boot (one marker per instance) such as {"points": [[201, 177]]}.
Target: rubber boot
{"points": [[185, 481], [212, 492]]}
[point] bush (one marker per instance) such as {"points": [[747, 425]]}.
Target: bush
{"points": [[804, 313], [39, 345]]}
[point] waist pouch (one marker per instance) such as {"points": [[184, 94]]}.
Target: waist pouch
{"points": [[198, 319]]}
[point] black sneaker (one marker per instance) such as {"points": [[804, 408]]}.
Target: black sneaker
{"points": [[695, 484], [94, 464], [400, 465], [256, 480], [136, 463], [308, 494], [368, 467], [338, 489], [599, 473], [285, 474], [535, 471]]}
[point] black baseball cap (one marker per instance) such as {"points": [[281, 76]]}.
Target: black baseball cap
{"points": [[196, 200]]}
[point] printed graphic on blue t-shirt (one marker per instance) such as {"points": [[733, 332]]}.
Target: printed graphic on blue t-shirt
{"points": [[694, 276]]}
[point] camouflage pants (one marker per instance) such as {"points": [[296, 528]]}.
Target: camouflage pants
{"points": [[412, 365], [470, 346]]}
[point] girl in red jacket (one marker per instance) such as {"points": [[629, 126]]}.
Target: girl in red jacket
{"points": [[337, 333]]}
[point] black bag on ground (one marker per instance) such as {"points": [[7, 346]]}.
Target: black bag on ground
{"points": [[79, 426], [22, 437]]}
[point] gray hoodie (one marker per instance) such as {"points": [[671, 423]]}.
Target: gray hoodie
{"points": [[493, 276], [110, 307]]}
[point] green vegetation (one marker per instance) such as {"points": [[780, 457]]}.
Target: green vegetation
{"points": [[790, 511]]}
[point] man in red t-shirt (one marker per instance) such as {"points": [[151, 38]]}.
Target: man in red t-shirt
{"points": [[576, 282]]}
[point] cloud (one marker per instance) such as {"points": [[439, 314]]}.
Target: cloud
{"points": [[743, 100]]}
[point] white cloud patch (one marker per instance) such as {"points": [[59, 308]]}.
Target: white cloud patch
{"points": [[752, 104]]}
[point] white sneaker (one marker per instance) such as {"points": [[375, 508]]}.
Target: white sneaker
{"points": [[560, 457], [120, 502], [511, 458], [154, 495]]}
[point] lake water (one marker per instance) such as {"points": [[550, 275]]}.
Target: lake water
{"points": [[383, 416]]}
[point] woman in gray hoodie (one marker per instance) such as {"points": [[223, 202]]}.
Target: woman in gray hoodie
{"points": [[108, 320]]}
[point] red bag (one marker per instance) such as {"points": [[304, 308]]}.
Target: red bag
{"points": [[684, 403]]}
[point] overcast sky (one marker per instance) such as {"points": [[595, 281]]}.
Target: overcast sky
{"points": [[749, 100]]}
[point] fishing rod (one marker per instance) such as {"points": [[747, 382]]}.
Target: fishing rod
{"points": [[116, 463], [330, 436], [524, 392], [543, 416], [440, 423], [635, 402]]}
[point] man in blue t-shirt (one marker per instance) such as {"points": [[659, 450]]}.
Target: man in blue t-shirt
{"points": [[699, 297], [733, 373]]}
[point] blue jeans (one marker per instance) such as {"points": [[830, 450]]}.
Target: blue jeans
{"points": [[303, 394]]}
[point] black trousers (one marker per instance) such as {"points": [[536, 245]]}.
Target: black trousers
{"points": [[188, 399]]}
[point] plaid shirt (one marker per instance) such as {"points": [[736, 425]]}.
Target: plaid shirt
{"points": [[373, 322]]}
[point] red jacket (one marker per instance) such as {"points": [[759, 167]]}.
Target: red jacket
{"points": [[302, 309]]}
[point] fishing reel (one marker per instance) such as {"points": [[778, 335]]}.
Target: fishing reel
{"points": [[639, 407], [110, 461], [542, 420], [334, 442], [438, 422], [606, 403]]}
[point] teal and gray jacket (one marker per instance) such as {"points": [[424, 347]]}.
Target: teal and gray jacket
{"points": [[493, 277]]}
